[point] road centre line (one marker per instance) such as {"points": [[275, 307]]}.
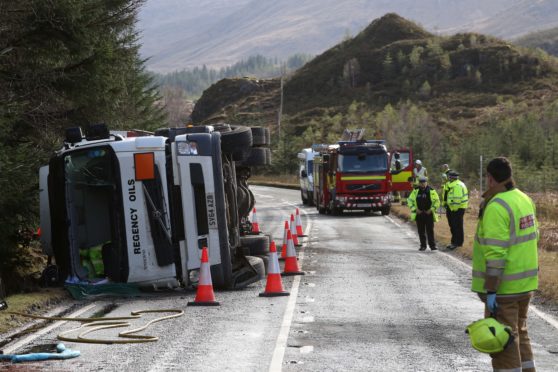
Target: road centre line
{"points": [[10, 349], [541, 314], [281, 344]]}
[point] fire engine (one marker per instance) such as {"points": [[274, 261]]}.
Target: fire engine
{"points": [[137, 207], [355, 174]]}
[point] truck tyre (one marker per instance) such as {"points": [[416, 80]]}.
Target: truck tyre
{"points": [[257, 264], [267, 156], [257, 157], [321, 210], [386, 210], [260, 136], [237, 141], [256, 244]]}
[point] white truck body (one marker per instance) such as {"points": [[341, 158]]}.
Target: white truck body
{"points": [[305, 173]]}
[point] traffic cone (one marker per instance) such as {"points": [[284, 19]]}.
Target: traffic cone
{"points": [[255, 224], [204, 295], [293, 232], [291, 263], [284, 247], [274, 285], [298, 221]]}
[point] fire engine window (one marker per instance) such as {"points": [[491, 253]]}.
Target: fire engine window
{"points": [[362, 163], [310, 169], [403, 158]]}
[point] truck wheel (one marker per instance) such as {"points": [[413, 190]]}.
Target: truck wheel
{"points": [[260, 136], [258, 264], [256, 158], [238, 142], [256, 244], [267, 156], [321, 210], [385, 211]]}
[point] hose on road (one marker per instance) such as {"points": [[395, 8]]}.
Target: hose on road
{"points": [[97, 324]]}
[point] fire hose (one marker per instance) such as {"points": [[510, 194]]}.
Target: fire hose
{"points": [[97, 324]]}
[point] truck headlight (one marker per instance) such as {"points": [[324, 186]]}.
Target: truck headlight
{"points": [[186, 148]]}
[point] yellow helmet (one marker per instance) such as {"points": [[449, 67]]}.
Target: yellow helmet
{"points": [[489, 336]]}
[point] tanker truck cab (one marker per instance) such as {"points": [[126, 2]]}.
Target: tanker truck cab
{"points": [[138, 209], [305, 172]]}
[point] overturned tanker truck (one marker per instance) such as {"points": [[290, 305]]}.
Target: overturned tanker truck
{"points": [[137, 207]]}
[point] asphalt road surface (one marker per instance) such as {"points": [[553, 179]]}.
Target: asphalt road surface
{"points": [[370, 301]]}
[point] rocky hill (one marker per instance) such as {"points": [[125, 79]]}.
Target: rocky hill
{"points": [[462, 78]]}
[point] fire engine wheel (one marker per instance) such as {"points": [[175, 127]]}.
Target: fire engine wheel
{"points": [[321, 210], [256, 244], [260, 136], [385, 211], [304, 200], [238, 142]]}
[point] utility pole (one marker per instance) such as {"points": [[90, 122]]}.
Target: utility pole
{"points": [[280, 109]]}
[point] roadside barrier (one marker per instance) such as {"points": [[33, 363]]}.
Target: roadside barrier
{"points": [[291, 262], [293, 232], [299, 229], [274, 285], [255, 224], [205, 295]]}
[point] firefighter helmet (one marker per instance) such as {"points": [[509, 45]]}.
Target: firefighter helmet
{"points": [[489, 336]]}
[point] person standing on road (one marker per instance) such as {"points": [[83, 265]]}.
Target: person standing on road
{"points": [[424, 202], [457, 201], [443, 192], [505, 262], [418, 172]]}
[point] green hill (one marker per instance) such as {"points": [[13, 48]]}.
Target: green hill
{"points": [[450, 98]]}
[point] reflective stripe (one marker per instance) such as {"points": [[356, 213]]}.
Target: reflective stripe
{"points": [[512, 216], [523, 275], [494, 271], [509, 277], [362, 178], [496, 263], [528, 364], [507, 370]]}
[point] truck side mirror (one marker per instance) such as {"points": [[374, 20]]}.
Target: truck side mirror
{"points": [[303, 173]]}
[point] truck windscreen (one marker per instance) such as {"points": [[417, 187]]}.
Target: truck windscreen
{"points": [[362, 163]]}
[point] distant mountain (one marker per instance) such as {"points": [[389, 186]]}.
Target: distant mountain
{"points": [[517, 19], [456, 79], [547, 40], [181, 34]]}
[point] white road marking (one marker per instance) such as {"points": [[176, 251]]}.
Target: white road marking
{"points": [[306, 349], [10, 349], [541, 314], [281, 344], [392, 221]]}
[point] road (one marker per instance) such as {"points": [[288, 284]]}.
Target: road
{"points": [[370, 301]]}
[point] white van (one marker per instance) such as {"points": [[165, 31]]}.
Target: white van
{"points": [[305, 170]]}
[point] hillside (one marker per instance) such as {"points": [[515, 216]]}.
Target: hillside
{"points": [[459, 78], [184, 34], [547, 40]]}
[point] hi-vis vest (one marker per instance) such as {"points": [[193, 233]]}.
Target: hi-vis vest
{"points": [[506, 244], [434, 199], [457, 195]]}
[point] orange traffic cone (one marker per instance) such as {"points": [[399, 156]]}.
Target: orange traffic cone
{"points": [[298, 221], [293, 232], [274, 285], [204, 295], [284, 247], [291, 263], [255, 224]]}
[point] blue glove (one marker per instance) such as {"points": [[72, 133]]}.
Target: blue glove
{"points": [[491, 302]]}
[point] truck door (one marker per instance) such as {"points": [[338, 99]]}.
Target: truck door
{"points": [[401, 170]]}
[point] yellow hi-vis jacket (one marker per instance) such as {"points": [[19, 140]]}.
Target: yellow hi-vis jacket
{"points": [[434, 199], [505, 245], [457, 195]]}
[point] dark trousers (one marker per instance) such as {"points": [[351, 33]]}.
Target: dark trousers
{"points": [[425, 227], [455, 220]]}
